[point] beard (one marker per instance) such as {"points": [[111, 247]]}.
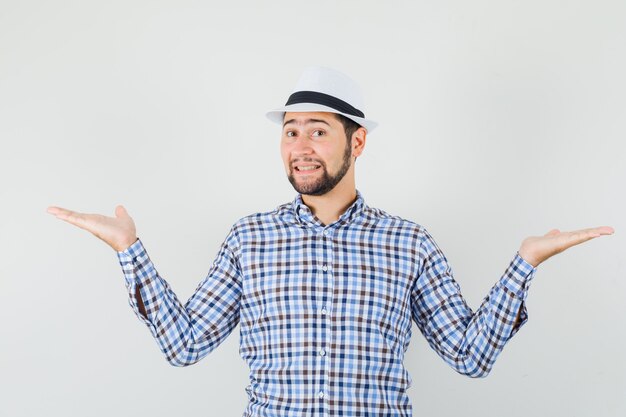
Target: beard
{"points": [[326, 182]]}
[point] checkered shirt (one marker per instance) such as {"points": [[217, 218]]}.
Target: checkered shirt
{"points": [[325, 311]]}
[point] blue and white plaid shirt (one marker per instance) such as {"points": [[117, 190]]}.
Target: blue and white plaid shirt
{"points": [[325, 311]]}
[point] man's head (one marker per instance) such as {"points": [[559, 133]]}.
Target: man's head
{"points": [[324, 129], [318, 150]]}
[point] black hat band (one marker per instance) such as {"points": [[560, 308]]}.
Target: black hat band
{"points": [[324, 99]]}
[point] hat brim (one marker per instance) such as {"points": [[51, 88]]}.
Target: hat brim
{"points": [[278, 114]]}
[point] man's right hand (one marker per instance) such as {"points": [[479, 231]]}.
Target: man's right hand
{"points": [[118, 232]]}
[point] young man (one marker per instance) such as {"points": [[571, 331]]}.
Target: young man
{"points": [[325, 288]]}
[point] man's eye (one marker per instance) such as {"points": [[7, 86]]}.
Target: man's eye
{"points": [[289, 134], [321, 132]]}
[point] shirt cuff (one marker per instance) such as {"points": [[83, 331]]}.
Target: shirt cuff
{"points": [[134, 261], [518, 276]]}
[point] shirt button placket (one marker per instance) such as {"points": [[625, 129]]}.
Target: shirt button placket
{"points": [[326, 287]]}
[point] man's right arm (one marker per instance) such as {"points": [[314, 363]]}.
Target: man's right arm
{"points": [[185, 333]]}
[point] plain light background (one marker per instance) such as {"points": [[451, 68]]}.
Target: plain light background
{"points": [[498, 120]]}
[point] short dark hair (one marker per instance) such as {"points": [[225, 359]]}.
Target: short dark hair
{"points": [[349, 125]]}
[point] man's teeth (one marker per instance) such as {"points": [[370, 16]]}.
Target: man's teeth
{"points": [[307, 168]]}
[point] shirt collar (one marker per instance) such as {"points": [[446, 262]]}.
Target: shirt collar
{"points": [[304, 215]]}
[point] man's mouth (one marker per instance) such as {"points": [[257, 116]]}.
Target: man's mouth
{"points": [[306, 169]]}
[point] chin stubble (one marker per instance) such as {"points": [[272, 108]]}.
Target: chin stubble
{"points": [[326, 182]]}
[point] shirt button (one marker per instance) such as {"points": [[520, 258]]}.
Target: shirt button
{"points": [[324, 310], [324, 268], [321, 394], [325, 232], [322, 352]]}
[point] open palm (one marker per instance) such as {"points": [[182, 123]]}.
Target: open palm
{"points": [[119, 232], [537, 249]]}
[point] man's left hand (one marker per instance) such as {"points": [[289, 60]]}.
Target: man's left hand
{"points": [[537, 249]]}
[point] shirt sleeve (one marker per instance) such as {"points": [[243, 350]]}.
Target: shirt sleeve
{"points": [[468, 341], [185, 333]]}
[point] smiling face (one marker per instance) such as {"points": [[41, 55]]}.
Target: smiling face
{"points": [[315, 151]]}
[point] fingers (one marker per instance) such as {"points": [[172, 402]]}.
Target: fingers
{"points": [[583, 233], [605, 230], [594, 232], [580, 236], [53, 209], [75, 218], [602, 230], [59, 211]]}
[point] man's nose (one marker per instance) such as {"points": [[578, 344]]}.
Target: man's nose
{"points": [[303, 146]]}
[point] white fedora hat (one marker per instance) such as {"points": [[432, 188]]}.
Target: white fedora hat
{"points": [[325, 89]]}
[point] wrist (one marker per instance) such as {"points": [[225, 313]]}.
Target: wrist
{"points": [[123, 246], [526, 255]]}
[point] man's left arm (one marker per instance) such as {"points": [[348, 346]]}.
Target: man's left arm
{"points": [[471, 341]]}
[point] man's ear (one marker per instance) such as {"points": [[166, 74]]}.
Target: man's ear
{"points": [[358, 141]]}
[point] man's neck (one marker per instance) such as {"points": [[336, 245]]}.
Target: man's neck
{"points": [[330, 206]]}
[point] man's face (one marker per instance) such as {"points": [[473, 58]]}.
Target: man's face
{"points": [[315, 151]]}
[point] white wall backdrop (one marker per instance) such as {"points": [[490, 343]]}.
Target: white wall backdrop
{"points": [[498, 120]]}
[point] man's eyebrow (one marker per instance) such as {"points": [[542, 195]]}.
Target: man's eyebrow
{"points": [[307, 121]]}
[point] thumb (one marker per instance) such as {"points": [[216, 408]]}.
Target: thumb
{"points": [[553, 232], [120, 211]]}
